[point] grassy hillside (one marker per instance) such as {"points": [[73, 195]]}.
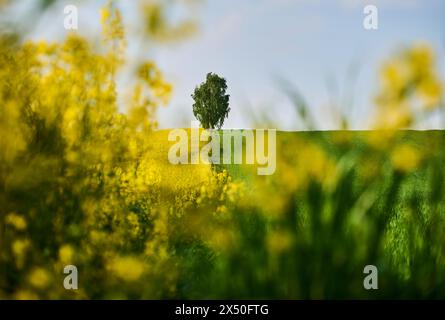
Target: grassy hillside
{"points": [[337, 202], [137, 226]]}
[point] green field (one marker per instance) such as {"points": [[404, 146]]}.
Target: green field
{"points": [[338, 201], [137, 226]]}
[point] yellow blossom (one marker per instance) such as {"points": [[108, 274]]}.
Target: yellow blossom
{"points": [[66, 253], [39, 278], [279, 241], [405, 158], [26, 295], [127, 268], [16, 220]]}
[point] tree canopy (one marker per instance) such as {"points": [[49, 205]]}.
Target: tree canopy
{"points": [[211, 105]]}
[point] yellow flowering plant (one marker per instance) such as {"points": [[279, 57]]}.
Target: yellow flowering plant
{"points": [[85, 181], [81, 182]]}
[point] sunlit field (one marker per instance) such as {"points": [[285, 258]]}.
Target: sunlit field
{"points": [[85, 180]]}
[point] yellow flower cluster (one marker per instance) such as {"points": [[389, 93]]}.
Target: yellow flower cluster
{"points": [[84, 184], [15, 220], [410, 86]]}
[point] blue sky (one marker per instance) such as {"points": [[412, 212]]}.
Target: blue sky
{"points": [[319, 46]]}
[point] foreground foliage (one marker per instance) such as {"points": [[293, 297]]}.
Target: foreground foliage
{"points": [[82, 183]]}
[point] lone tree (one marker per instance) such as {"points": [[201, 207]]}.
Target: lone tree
{"points": [[211, 105]]}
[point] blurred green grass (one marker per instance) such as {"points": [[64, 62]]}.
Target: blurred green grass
{"points": [[313, 241]]}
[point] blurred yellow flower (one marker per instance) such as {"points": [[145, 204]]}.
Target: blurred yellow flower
{"points": [[39, 278], [279, 241], [410, 85], [111, 21], [430, 90], [394, 77], [405, 158], [16, 220], [26, 295], [222, 239], [421, 58], [20, 246], [19, 249], [127, 268], [66, 253], [316, 164], [394, 117], [133, 221]]}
